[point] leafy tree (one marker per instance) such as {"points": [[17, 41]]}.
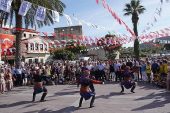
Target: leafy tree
{"points": [[111, 56], [134, 8], [63, 54], [74, 47], [29, 19]]}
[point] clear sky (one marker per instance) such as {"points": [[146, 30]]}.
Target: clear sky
{"points": [[89, 11]]}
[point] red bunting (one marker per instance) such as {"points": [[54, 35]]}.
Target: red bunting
{"points": [[54, 34], [97, 1]]}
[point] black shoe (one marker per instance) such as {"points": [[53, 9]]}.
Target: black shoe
{"points": [[132, 91], [42, 100], [91, 106], [121, 91]]}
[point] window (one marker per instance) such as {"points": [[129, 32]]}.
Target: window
{"points": [[32, 46], [45, 47], [42, 60], [30, 61], [30, 35], [24, 35], [27, 47], [41, 47], [36, 60], [36, 46]]}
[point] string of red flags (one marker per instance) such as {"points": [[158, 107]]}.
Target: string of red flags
{"points": [[116, 17], [155, 17], [70, 36], [152, 44], [157, 34]]}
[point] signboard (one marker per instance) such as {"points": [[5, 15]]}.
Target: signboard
{"points": [[6, 42]]}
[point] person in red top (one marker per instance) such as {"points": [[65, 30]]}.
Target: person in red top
{"points": [[87, 89]]}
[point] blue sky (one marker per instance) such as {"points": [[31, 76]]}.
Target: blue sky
{"points": [[89, 11]]}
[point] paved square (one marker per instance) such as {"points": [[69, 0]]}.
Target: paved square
{"points": [[65, 98]]}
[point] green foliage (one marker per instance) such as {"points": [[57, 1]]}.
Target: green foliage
{"points": [[167, 46], [63, 55], [111, 56], [75, 48], [133, 7], [143, 55]]}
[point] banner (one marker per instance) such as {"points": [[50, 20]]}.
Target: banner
{"points": [[5, 5], [56, 16], [25, 6], [40, 13]]}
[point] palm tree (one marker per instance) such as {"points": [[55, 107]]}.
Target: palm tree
{"points": [[29, 20], [134, 8]]}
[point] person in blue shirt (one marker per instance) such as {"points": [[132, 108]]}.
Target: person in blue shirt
{"points": [[155, 67]]}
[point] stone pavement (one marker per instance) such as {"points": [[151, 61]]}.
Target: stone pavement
{"points": [[65, 98]]}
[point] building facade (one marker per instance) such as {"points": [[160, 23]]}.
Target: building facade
{"points": [[67, 33], [34, 48]]}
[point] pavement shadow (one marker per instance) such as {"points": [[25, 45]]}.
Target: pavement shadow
{"points": [[15, 104], [110, 95], [160, 100], [147, 86], [64, 93], [69, 109]]}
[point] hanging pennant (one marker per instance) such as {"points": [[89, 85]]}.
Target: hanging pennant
{"points": [[54, 34], [5, 5], [97, 1], [104, 3], [41, 13], [69, 21], [56, 16], [25, 6]]}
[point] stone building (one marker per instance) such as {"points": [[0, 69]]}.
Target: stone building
{"points": [[67, 33]]}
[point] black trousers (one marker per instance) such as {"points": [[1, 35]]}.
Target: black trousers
{"points": [[19, 80], [118, 76]]}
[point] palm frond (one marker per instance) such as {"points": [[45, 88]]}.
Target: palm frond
{"points": [[134, 7], [127, 13], [133, 4], [128, 9]]}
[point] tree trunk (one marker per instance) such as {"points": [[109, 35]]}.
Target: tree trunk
{"points": [[18, 40], [136, 42], [135, 29], [135, 19]]}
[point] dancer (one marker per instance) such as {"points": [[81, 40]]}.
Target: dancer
{"points": [[38, 86], [87, 89], [2, 81], [128, 81]]}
